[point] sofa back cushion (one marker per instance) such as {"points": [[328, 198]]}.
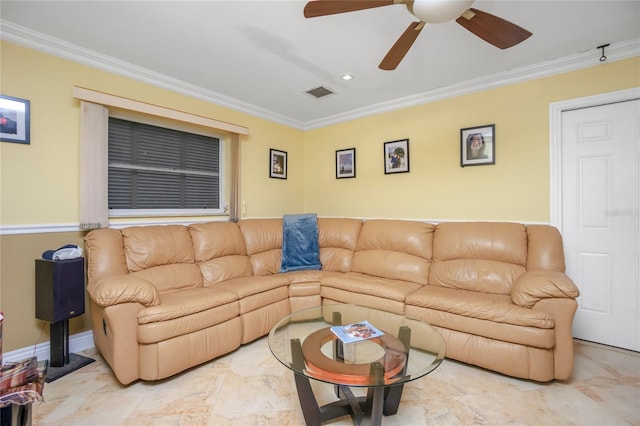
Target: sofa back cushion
{"points": [[394, 249], [337, 239], [263, 241], [220, 251], [163, 255], [479, 256]]}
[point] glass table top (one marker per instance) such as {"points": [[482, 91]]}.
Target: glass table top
{"points": [[408, 348]]}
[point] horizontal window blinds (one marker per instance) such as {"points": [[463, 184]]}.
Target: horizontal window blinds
{"points": [[152, 167]]}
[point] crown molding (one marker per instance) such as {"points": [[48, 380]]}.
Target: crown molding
{"points": [[615, 52], [53, 46], [50, 45]]}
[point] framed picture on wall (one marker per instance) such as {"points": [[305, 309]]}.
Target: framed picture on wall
{"points": [[346, 163], [277, 164], [396, 156], [14, 120], [478, 145]]}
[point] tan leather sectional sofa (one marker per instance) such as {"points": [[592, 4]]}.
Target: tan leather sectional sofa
{"points": [[167, 298]]}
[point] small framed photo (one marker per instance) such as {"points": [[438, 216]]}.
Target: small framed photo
{"points": [[277, 164], [478, 145], [14, 120], [396, 156], [346, 163]]}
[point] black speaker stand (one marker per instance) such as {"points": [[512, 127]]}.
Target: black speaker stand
{"points": [[61, 362]]}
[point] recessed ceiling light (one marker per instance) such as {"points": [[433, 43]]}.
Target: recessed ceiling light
{"points": [[346, 77]]}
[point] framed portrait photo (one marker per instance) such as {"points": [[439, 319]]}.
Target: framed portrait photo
{"points": [[478, 145], [277, 164], [346, 163], [14, 120], [396, 156]]}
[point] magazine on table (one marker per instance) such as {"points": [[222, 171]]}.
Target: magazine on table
{"points": [[361, 330]]}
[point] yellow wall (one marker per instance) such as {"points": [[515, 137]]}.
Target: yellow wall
{"points": [[17, 279], [53, 155], [516, 188], [39, 182]]}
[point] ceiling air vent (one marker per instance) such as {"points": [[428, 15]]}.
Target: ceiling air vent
{"points": [[319, 92]]}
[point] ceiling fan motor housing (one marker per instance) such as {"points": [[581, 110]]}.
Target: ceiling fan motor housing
{"points": [[437, 11]]}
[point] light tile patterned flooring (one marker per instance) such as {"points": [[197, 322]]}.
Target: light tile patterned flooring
{"points": [[249, 387]]}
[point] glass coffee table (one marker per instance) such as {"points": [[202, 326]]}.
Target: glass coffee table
{"points": [[304, 342]]}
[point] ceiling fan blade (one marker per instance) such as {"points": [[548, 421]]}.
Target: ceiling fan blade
{"points": [[331, 7], [497, 31], [401, 46]]}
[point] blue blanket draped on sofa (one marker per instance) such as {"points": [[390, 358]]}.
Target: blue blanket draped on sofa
{"points": [[300, 248]]}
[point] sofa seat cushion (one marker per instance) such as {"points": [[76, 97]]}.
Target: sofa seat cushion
{"points": [[247, 286], [366, 290], [256, 292], [297, 277], [491, 316], [184, 312], [304, 289], [177, 304], [357, 283], [306, 276], [484, 306]]}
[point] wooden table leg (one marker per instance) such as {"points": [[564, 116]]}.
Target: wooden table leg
{"points": [[375, 396], [308, 402], [338, 347], [393, 394], [314, 415]]}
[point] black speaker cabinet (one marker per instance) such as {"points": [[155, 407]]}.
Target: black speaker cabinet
{"points": [[59, 289]]}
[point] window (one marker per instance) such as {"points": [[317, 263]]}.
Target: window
{"points": [[159, 171], [95, 109]]}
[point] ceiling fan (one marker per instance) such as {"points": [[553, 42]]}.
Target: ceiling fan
{"points": [[492, 29]]}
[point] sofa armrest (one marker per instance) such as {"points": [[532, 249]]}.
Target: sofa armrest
{"points": [[562, 311], [533, 286], [117, 289]]}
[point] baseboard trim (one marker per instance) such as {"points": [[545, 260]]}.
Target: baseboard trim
{"points": [[77, 342]]}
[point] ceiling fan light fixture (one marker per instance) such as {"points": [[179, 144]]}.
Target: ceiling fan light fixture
{"points": [[437, 11], [492, 29]]}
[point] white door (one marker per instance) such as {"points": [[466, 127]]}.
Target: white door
{"points": [[600, 221]]}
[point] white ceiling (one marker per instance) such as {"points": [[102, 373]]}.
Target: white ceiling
{"points": [[262, 56]]}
